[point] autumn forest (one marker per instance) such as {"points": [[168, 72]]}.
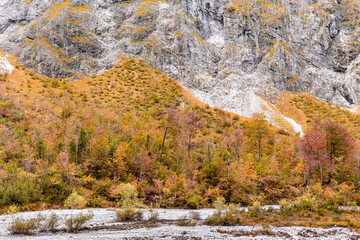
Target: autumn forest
{"points": [[133, 124]]}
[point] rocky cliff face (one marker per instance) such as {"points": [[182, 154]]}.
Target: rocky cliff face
{"points": [[238, 55]]}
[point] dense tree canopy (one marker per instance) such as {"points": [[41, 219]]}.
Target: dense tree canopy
{"points": [[134, 125]]}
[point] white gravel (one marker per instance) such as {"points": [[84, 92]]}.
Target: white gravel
{"points": [[5, 66], [297, 127], [105, 217]]}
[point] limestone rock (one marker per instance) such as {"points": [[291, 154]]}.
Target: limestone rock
{"points": [[236, 55]]}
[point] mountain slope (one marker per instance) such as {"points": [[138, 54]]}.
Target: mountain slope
{"points": [[229, 54]]}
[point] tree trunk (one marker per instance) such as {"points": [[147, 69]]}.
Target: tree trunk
{"points": [[343, 170], [330, 178], [163, 143], [189, 145], [306, 174], [321, 174], [259, 149], [358, 172], [229, 161], [237, 154], [177, 143], [331, 159]]}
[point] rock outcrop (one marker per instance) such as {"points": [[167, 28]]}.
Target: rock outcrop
{"points": [[237, 55]]}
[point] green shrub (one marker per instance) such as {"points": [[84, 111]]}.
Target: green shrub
{"points": [[12, 209], [333, 207], [19, 191], [154, 216], [255, 209], [225, 215], [24, 226], [24, 190], [94, 202], [219, 204], [51, 222], [75, 201], [282, 132], [267, 231], [128, 196], [75, 223], [195, 215], [102, 188], [193, 201], [285, 207], [306, 202], [54, 193], [66, 112], [129, 215], [185, 221]]}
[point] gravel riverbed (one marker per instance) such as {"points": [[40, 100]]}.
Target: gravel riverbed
{"points": [[104, 226]]}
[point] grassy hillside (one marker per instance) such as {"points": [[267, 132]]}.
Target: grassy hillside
{"points": [[306, 110]]}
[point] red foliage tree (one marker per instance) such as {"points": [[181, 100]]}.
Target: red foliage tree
{"points": [[340, 148], [313, 147]]}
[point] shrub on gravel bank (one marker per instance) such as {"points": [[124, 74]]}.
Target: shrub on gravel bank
{"points": [[41, 223], [51, 222], [225, 214], [23, 226], [154, 216], [255, 209], [128, 195], [75, 223], [129, 215]]}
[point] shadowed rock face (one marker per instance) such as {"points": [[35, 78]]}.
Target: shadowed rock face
{"points": [[230, 54]]}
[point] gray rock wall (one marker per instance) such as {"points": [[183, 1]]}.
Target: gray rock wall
{"points": [[225, 52]]}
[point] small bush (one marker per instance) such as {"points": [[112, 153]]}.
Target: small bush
{"points": [[334, 208], [255, 209], [12, 209], [66, 112], [193, 201], [185, 221], [195, 215], [75, 223], [128, 196], [94, 202], [223, 218], [285, 207], [75, 201], [282, 132], [154, 216], [219, 204], [3, 77], [305, 202], [225, 215], [51, 223], [24, 226], [267, 231], [102, 188], [20, 190], [129, 215]]}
